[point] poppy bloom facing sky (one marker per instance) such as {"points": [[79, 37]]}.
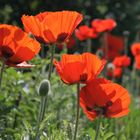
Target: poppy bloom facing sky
{"points": [[103, 97], [52, 27], [135, 49], [102, 25], [79, 68], [122, 61], [84, 32], [15, 46]]}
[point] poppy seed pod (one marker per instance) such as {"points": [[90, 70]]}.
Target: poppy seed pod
{"points": [[44, 87]]}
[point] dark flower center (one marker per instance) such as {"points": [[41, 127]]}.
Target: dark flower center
{"points": [[83, 77], [100, 109], [40, 39], [6, 52], [61, 37]]}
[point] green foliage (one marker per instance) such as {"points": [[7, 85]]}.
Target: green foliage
{"points": [[19, 106]]}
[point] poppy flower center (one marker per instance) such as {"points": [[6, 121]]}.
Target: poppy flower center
{"points": [[109, 103], [6, 52], [83, 77], [100, 109], [61, 37], [40, 39]]}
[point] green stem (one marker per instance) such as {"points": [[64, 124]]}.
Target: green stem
{"points": [[133, 79], [126, 35], [44, 99], [137, 83], [49, 76], [17, 103], [89, 41], [78, 110], [89, 44], [123, 77], [98, 127], [106, 45], [39, 119], [1, 72], [51, 61]]}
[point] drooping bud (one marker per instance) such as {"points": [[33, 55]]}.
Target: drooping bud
{"points": [[44, 87]]}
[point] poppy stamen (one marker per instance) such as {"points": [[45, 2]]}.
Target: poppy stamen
{"points": [[83, 77], [89, 108], [109, 103], [61, 37], [6, 52]]}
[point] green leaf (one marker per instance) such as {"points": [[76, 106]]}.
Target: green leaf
{"points": [[108, 136], [91, 133]]}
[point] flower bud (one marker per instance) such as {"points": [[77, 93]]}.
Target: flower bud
{"points": [[44, 87]]}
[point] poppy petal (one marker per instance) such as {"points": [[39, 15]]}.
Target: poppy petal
{"points": [[61, 18]]}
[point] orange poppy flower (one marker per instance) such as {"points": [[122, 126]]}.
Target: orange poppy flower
{"points": [[135, 49], [137, 62], [52, 27], [102, 25], [117, 72], [122, 61], [79, 68], [84, 32], [102, 97], [15, 45]]}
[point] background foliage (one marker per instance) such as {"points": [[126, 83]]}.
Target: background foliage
{"points": [[126, 12]]}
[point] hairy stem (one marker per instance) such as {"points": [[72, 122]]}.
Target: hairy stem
{"points": [[98, 127], [51, 61], [44, 99], [17, 103], [39, 119], [1, 72], [77, 113]]}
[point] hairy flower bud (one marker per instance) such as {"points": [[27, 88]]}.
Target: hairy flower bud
{"points": [[44, 87]]}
